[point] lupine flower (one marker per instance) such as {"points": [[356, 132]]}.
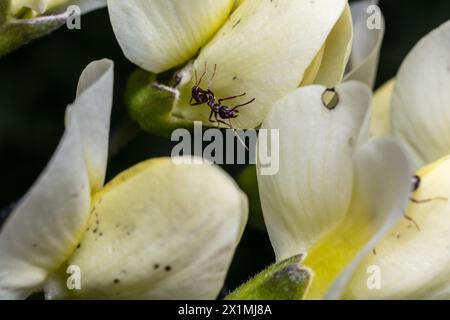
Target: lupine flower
{"points": [[337, 192], [413, 258], [265, 49], [157, 230]]}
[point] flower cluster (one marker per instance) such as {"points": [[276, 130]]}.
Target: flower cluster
{"points": [[362, 185]]}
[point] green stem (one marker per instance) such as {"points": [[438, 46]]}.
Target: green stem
{"points": [[286, 280], [15, 33]]}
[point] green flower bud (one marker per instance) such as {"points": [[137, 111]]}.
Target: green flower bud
{"points": [[286, 280]]}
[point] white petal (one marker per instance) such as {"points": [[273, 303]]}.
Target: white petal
{"points": [[421, 99], [48, 223], [413, 259], [264, 49], [92, 110], [159, 231], [367, 43], [160, 34], [381, 194], [312, 191]]}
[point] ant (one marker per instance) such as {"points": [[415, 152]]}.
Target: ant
{"points": [[220, 112], [415, 185]]}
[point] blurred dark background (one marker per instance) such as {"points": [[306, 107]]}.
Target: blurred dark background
{"points": [[39, 80]]}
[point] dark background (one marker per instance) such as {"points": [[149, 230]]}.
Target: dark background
{"points": [[39, 80]]}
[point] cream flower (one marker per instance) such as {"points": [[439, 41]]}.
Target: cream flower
{"points": [[336, 193], [157, 230], [413, 259], [265, 49]]}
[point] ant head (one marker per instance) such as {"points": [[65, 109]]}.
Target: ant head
{"points": [[195, 90], [199, 95], [415, 183]]}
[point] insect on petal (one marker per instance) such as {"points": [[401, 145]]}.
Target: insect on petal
{"points": [[265, 50], [413, 258]]}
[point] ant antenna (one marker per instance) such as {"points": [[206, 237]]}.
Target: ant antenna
{"points": [[214, 73], [201, 78], [427, 200], [244, 104], [411, 220]]}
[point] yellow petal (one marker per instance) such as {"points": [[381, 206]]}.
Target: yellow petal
{"points": [[264, 50], [413, 258], [336, 52], [381, 111], [159, 231], [158, 35], [300, 202], [45, 228], [367, 43], [237, 3], [421, 99], [379, 198], [313, 69]]}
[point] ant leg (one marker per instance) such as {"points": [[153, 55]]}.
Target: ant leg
{"points": [[221, 121], [244, 104], [210, 116], [233, 97], [216, 120], [212, 78], [427, 200]]}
